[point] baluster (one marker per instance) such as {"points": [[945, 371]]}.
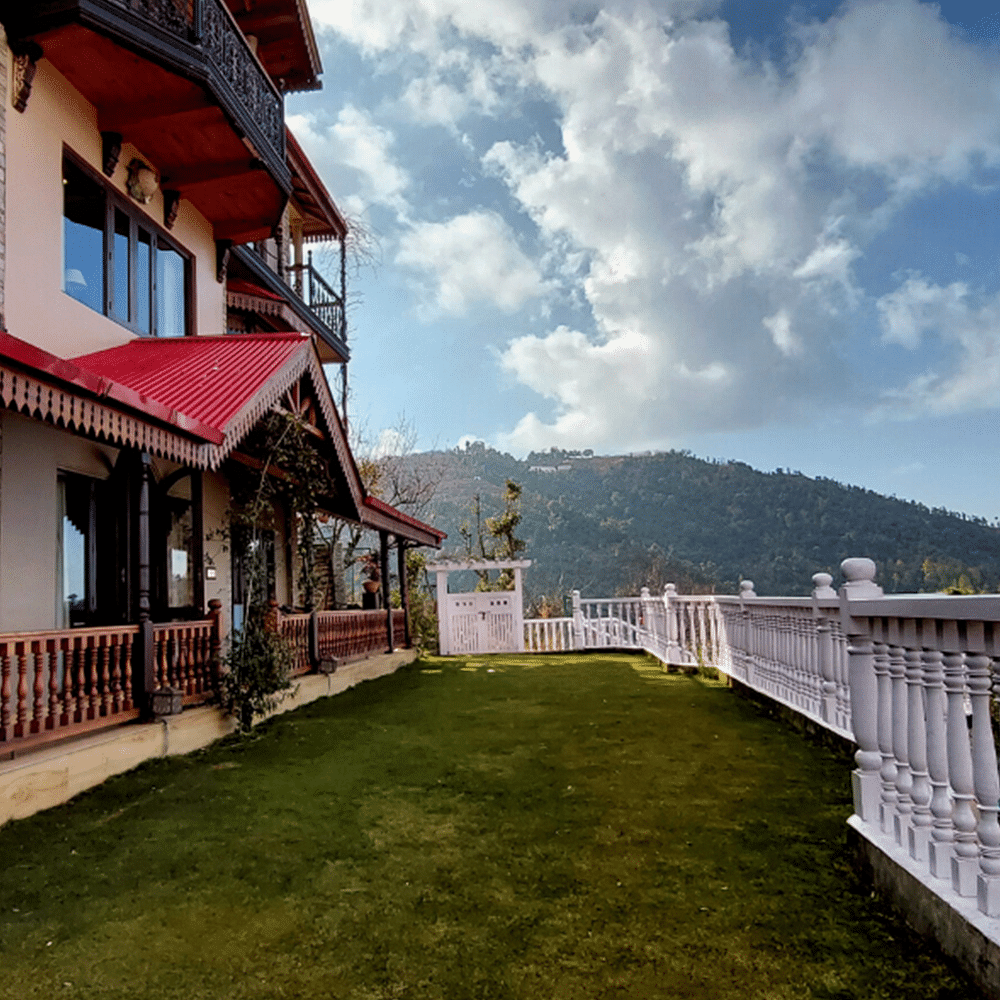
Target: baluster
{"points": [[21, 726], [80, 685], [105, 649], [965, 861], [92, 660], [900, 744], [987, 786], [188, 674], [887, 811], [67, 681], [162, 666], [38, 703], [942, 841], [5, 731], [52, 654], [116, 674], [920, 791], [127, 702]]}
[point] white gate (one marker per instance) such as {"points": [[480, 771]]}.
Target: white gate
{"points": [[486, 622]]}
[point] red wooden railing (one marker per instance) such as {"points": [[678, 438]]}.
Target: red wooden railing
{"points": [[342, 635], [183, 656], [68, 679], [56, 683]]}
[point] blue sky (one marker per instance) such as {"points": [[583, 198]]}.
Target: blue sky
{"points": [[761, 231]]}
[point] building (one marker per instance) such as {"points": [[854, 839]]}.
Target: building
{"points": [[157, 303]]}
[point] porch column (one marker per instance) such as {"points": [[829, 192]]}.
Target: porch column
{"points": [[383, 537], [404, 591], [144, 676]]}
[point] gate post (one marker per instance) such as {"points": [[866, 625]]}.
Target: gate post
{"points": [[444, 623], [518, 611], [577, 621]]}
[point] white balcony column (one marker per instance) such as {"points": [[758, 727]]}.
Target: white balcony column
{"points": [[920, 790], [965, 861], [987, 785], [900, 743], [866, 780], [942, 841], [887, 810]]}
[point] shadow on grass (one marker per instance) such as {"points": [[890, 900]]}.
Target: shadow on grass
{"points": [[504, 827]]}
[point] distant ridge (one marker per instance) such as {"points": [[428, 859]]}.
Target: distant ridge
{"points": [[610, 524]]}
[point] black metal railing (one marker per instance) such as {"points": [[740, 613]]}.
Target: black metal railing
{"points": [[312, 288], [233, 71]]}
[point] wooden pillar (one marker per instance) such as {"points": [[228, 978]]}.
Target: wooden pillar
{"points": [[383, 537], [144, 674], [404, 591]]}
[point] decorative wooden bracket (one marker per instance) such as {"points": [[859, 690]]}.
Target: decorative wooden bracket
{"points": [[26, 56], [171, 202], [222, 248], [111, 151]]}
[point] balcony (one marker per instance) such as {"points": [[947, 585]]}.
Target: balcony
{"points": [[178, 79], [309, 301]]}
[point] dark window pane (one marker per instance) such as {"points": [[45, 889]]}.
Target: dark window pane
{"points": [[170, 310], [120, 289], [83, 237], [142, 292], [74, 499]]}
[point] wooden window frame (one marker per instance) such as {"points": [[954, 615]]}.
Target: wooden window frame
{"points": [[114, 199]]}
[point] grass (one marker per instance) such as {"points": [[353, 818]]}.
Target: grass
{"points": [[547, 827]]}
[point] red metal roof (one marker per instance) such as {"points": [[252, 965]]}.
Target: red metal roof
{"points": [[387, 510], [242, 287], [96, 384], [208, 378]]}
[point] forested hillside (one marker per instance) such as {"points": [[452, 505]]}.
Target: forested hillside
{"points": [[607, 525]]}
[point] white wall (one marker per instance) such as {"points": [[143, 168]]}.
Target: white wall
{"points": [[33, 453], [36, 307]]}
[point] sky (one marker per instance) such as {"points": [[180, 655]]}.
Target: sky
{"points": [[762, 231]]}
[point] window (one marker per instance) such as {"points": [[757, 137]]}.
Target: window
{"points": [[76, 556], [117, 263]]}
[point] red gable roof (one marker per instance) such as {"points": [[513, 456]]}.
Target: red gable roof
{"points": [[210, 379]]}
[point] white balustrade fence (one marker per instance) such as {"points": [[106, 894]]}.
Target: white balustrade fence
{"points": [[912, 680]]}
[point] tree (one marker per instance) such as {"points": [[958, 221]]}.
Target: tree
{"points": [[501, 529]]}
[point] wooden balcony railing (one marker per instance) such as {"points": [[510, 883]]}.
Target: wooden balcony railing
{"points": [[313, 289], [339, 635]]}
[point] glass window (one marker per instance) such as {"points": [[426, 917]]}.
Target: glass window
{"points": [[119, 291], [170, 312], [143, 289], [121, 283], [83, 237], [180, 546], [74, 498]]}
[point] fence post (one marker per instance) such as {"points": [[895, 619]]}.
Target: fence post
{"points": [[578, 642], [215, 641], [824, 644], [747, 591], [669, 603], [866, 778]]}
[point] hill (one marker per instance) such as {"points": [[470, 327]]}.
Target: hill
{"points": [[611, 524]]}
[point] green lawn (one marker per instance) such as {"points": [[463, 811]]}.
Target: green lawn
{"points": [[519, 827]]}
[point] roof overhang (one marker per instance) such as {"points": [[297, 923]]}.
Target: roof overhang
{"points": [[380, 516]]}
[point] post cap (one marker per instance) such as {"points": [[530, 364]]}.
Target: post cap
{"points": [[821, 585], [859, 578], [746, 588]]}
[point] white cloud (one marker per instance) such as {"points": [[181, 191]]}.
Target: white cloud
{"points": [[471, 258], [706, 207], [967, 376], [780, 327], [357, 154]]}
